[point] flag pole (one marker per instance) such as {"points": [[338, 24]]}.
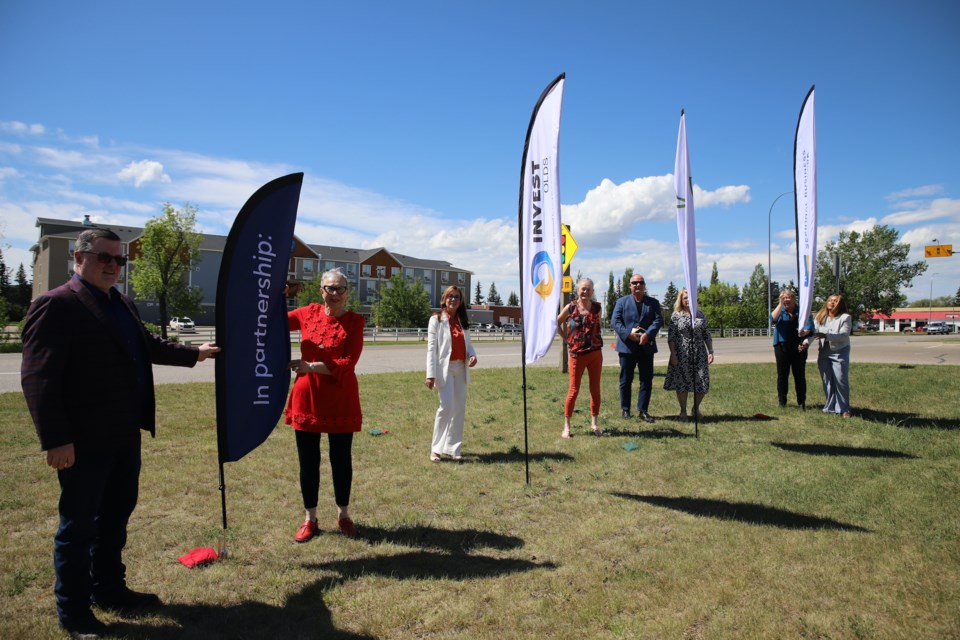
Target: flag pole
{"points": [[544, 188]]}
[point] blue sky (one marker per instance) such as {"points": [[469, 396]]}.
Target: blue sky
{"points": [[408, 120]]}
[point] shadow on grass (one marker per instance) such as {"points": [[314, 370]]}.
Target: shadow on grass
{"points": [[657, 433], [515, 455], [449, 540], [907, 420], [836, 450], [747, 512], [303, 615], [427, 565]]}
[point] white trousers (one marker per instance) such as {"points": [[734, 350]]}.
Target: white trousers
{"points": [[448, 426]]}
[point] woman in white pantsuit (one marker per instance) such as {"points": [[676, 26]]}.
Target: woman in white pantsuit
{"points": [[449, 357], [833, 326]]}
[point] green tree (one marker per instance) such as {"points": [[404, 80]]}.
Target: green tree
{"points": [[492, 296], [669, 299], [402, 305], [611, 298], [625, 282], [956, 298], [513, 300], [714, 275], [477, 295], [4, 278], [942, 301], [168, 250], [873, 270], [24, 288], [754, 299]]}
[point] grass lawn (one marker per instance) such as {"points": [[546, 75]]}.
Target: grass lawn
{"points": [[803, 526]]}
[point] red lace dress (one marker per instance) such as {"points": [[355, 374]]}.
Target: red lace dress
{"points": [[326, 403]]}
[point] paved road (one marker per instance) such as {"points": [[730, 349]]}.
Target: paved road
{"points": [[388, 358]]}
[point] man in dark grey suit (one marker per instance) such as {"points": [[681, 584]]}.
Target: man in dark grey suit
{"points": [[87, 378], [637, 319]]}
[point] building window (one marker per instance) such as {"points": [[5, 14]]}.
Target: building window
{"points": [[307, 266], [461, 278], [351, 269], [408, 274], [365, 270], [427, 277], [381, 272], [444, 277], [330, 264]]}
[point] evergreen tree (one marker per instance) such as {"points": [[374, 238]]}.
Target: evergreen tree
{"points": [[492, 296], [625, 282], [669, 299], [24, 289], [956, 298], [4, 278], [611, 299], [513, 300], [477, 296], [714, 275]]}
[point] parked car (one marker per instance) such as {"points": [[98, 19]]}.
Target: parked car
{"points": [[183, 325], [937, 327], [509, 327], [911, 330]]}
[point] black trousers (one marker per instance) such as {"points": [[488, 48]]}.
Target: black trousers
{"points": [[341, 466], [97, 495], [791, 360]]}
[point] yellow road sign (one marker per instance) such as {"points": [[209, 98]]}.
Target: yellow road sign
{"points": [[568, 247], [567, 284], [938, 250]]}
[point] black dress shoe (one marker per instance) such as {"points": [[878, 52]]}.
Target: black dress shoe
{"points": [[626, 413], [84, 626], [646, 417], [125, 599]]}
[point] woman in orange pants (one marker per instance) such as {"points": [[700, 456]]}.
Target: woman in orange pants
{"points": [[579, 323]]}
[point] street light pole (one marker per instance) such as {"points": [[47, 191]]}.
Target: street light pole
{"points": [[769, 262]]}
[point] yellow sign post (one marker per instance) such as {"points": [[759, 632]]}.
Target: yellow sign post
{"points": [[938, 250], [568, 247]]}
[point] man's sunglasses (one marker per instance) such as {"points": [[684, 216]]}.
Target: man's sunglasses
{"points": [[636, 283], [104, 258]]}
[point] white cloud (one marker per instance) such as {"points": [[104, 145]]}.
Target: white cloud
{"points": [[916, 192], [21, 128], [8, 172], [924, 211], [610, 211], [142, 172]]}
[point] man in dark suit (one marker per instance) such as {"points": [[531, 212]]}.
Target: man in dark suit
{"points": [[88, 381], [636, 320]]}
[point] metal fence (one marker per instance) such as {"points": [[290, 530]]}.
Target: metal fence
{"points": [[389, 335]]}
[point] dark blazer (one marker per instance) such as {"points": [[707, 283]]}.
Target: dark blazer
{"points": [[78, 376], [626, 316]]}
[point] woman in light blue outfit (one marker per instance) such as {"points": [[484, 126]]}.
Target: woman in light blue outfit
{"points": [[833, 326]]}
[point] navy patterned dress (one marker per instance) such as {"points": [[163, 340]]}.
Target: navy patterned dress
{"points": [[691, 372]]}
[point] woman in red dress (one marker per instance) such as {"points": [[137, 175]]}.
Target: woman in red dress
{"points": [[326, 397]]}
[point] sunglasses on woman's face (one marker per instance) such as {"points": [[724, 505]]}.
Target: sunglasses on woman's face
{"points": [[332, 289], [104, 258]]}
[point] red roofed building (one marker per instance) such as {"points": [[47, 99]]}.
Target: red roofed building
{"points": [[917, 318]]}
